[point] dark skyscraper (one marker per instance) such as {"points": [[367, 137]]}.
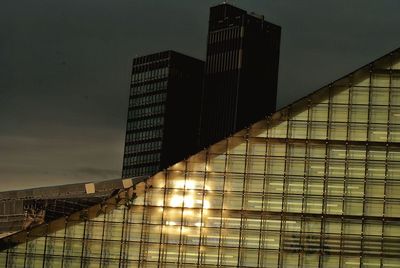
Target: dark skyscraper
{"points": [[241, 72], [169, 90], [165, 95]]}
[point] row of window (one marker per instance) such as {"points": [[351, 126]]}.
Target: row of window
{"points": [[191, 256], [224, 61], [146, 111], [143, 147], [150, 75], [342, 131], [225, 34], [229, 239], [138, 136], [315, 204], [160, 58], [351, 113], [297, 187], [147, 99], [148, 88], [142, 159], [309, 151], [140, 170], [335, 131], [156, 218], [145, 123]]}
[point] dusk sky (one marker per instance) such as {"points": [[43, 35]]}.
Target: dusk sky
{"points": [[65, 70]]}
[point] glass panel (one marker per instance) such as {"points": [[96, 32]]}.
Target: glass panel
{"points": [[338, 131], [380, 96], [318, 131], [340, 95], [339, 113], [279, 131], [298, 130], [380, 80], [358, 132], [379, 115], [394, 115], [319, 113], [395, 96], [359, 95], [359, 114]]}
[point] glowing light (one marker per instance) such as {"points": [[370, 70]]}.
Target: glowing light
{"points": [[179, 184], [189, 202], [176, 201], [190, 185], [208, 168], [188, 213]]}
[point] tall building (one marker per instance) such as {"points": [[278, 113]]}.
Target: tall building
{"points": [[314, 185], [241, 72], [165, 95]]}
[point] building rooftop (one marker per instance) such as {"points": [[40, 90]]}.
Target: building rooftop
{"points": [[23, 209]]}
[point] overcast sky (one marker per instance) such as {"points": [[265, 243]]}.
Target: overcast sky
{"points": [[65, 69]]}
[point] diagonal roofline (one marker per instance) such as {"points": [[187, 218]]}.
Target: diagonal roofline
{"points": [[125, 196]]}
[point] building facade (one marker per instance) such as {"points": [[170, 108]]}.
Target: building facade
{"points": [[160, 83], [241, 72], [317, 184]]}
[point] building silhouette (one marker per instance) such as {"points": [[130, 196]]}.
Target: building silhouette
{"points": [[316, 184], [165, 94], [240, 84], [241, 73]]}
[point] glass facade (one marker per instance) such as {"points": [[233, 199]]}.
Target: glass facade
{"points": [[315, 185]]}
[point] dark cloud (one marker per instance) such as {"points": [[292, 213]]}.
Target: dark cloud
{"points": [[65, 67]]}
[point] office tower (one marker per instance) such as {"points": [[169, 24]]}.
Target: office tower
{"points": [[241, 72], [165, 96], [314, 185]]}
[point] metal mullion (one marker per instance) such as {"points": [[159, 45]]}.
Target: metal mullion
{"points": [[262, 217], [222, 203], [64, 241], [199, 259], [386, 162], [346, 166], [366, 163], [326, 177], [45, 246], [160, 250], [124, 240], [102, 240], [283, 216], [305, 180], [243, 197], [84, 241], [305, 184], [26, 249], [182, 211]]}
